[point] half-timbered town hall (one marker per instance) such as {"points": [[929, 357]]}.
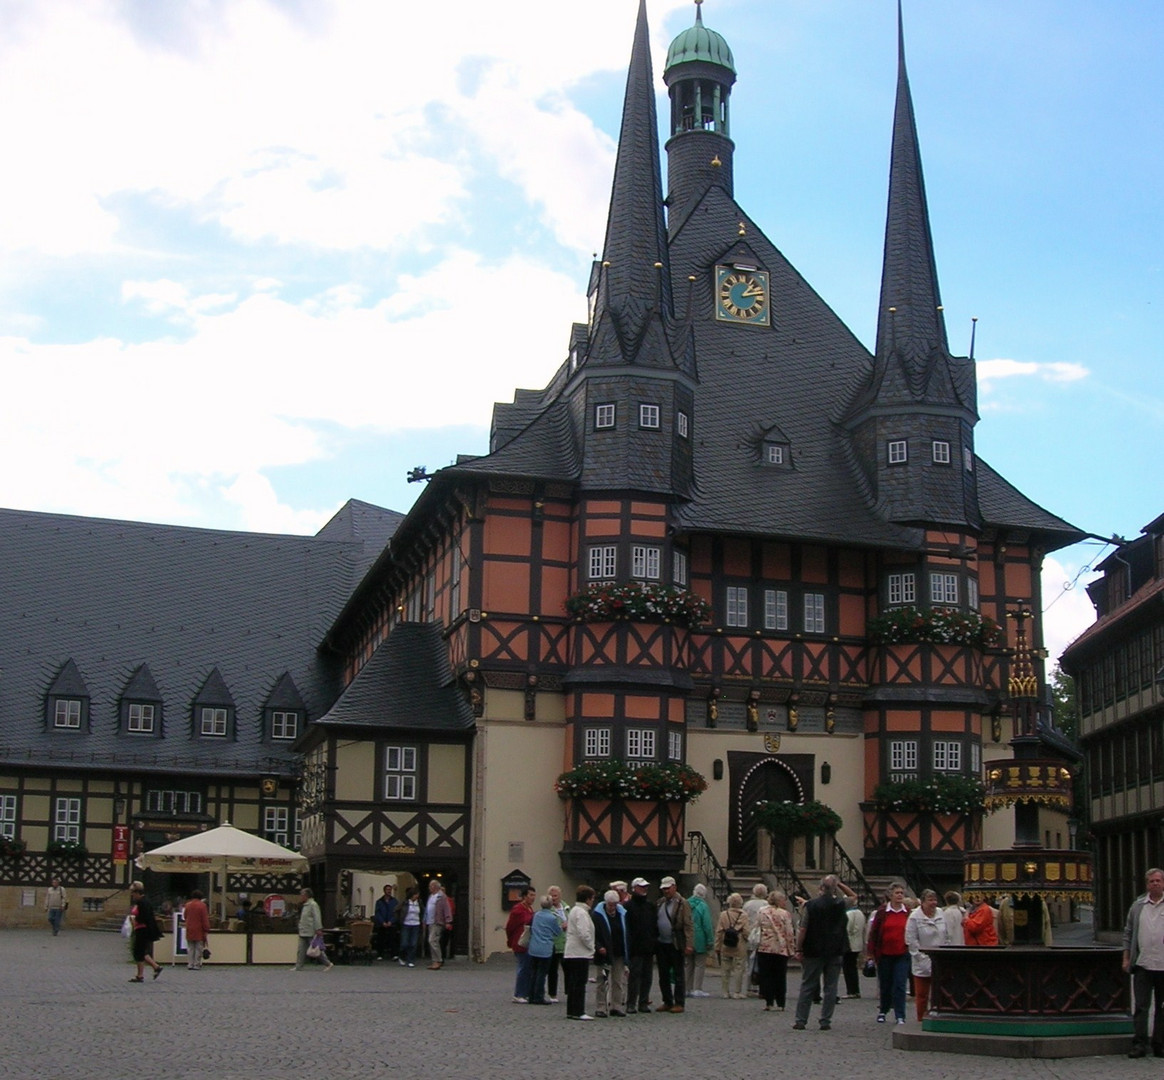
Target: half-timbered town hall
{"points": [[726, 544]]}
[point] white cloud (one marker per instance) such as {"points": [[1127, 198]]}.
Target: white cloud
{"points": [[156, 423], [1067, 610], [990, 371]]}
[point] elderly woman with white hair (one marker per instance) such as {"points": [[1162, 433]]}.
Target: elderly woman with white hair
{"points": [[752, 908], [731, 945], [701, 941]]}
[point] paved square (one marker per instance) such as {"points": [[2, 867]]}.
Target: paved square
{"points": [[69, 1013]]}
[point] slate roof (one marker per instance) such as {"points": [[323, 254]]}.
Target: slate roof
{"points": [[806, 376], [112, 596], [407, 684]]}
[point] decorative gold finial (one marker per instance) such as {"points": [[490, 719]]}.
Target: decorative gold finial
{"points": [[743, 229], [658, 266], [715, 162]]}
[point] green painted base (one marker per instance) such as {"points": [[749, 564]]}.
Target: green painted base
{"points": [[1031, 1028]]}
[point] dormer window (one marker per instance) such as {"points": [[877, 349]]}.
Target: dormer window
{"points": [[140, 718], [649, 417], [967, 459], [67, 713], [604, 416], [777, 454], [284, 724], [941, 452], [898, 451], [67, 701], [681, 425], [213, 721]]}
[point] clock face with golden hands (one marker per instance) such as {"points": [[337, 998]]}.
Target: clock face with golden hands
{"points": [[741, 296]]}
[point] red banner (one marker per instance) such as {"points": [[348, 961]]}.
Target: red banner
{"points": [[120, 845]]}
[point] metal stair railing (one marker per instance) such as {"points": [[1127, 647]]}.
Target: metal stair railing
{"points": [[851, 875], [910, 870], [702, 862], [786, 878]]}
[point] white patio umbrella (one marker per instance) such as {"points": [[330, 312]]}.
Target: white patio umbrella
{"points": [[223, 850]]}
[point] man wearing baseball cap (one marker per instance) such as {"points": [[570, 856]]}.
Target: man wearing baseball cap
{"points": [[675, 928], [643, 934]]}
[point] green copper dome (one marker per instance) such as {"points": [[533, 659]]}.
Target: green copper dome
{"points": [[699, 43]]}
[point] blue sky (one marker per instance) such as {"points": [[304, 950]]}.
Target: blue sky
{"points": [[261, 257]]}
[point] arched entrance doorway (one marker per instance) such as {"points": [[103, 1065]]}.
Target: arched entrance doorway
{"points": [[762, 780]]}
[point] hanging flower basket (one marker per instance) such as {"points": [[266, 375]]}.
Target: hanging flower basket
{"points": [[642, 602], [11, 848], [797, 819], [935, 626], [619, 780]]}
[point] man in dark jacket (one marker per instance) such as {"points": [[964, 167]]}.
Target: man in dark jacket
{"points": [[642, 930], [820, 945], [676, 930], [611, 954], [384, 921]]}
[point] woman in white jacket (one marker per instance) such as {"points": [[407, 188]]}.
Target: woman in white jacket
{"points": [[924, 929], [578, 954]]}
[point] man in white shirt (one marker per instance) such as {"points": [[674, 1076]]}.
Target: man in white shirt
{"points": [[1144, 959]]}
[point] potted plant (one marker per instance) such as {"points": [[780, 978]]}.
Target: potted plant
{"points": [[797, 819], [68, 849], [11, 847], [946, 793]]}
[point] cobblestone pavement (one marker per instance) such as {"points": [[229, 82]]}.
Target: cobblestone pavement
{"points": [[69, 1013]]}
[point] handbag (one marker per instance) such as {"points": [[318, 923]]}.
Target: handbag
{"points": [[127, 927], [205, 954], [315, 949], [523, 939], [870, 969]]}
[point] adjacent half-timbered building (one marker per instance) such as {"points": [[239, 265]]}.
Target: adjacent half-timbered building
{"points": [[153, 681], [1118, 666]]}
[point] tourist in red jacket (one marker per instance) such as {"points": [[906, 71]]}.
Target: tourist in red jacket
{"points": [[886, 946]]}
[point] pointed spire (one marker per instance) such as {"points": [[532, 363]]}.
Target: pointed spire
{"points": [[910, 321], [636, 281]]}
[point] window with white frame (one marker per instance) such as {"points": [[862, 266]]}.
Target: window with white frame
{"points": [[167, 801], [8, 817], [775, 609], [903, 588], [604, 416], [773, 454], [814, 613], [67, 713], [943, 588], [284, 724], [644, 562], [941, 450], [674, 746], [596, 742], [679, 567], [640, 744], [898, 451], [67, 820], [736, 597], [213, 721], [972, 593], [603, 562], [275, 822], [140, 718], [947, 755], [967, 459], [400, 772], [681, 425], [648, 416], [976, 759], [903, 759]]}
